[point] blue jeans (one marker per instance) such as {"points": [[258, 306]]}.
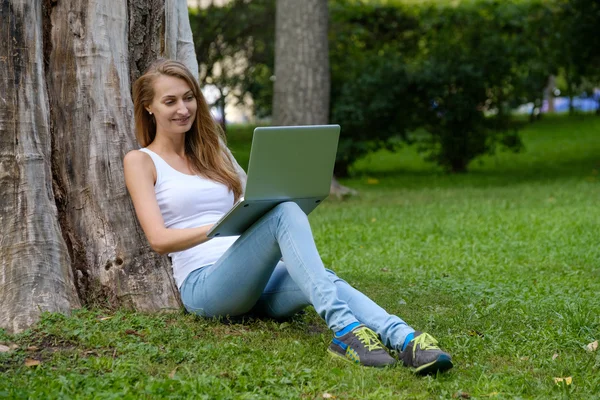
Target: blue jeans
{"points": [[250, 277]]}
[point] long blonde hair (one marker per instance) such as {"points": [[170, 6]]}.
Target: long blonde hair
{"points": [[203, 142]]}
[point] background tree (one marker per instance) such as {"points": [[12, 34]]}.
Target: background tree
{"points": [[302, 81], [234, 47], [69, 234]]}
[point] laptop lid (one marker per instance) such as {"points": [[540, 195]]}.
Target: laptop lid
{"points": [[291, 161]]}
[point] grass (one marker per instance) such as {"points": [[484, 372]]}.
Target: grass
{"points": [[501, 265]]}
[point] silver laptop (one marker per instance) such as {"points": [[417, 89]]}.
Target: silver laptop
{"points": [[289, 163]]}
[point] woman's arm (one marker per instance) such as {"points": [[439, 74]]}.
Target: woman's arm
{"points": [[140, 175]]}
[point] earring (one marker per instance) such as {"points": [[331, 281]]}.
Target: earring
{"points": [[150, 112]]}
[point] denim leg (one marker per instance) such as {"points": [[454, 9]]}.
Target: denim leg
{"points": [[283, 298], [391, 328], [234, 284]]}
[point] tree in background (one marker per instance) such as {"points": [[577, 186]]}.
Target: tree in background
{"points": [[69, 234], [234, 46], [302, 82]]}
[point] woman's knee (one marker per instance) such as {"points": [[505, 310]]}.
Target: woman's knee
{"points": [[288, 206], [333, 277], [291, 210]]}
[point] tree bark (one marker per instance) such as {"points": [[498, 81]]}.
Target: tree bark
{"points": [[35, 272], [88, 72], [302, 77], [179, 43], [69, 233]]}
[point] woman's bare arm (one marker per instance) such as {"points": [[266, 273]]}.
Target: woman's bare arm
{"points": [[139, 178]]}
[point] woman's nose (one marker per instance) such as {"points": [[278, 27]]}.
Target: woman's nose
{"points": [[182, 107]]}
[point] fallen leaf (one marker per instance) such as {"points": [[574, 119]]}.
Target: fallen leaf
{"points": [[524, 358], [373, 219], [554, 356], [4, 349], [33, 348], [30, 362], [461, 395], [105, 318], [133, 332], [567, 381], [385, 269], [328, 396], [372, 181], [13, 346], [172, 373], [592, 346]]}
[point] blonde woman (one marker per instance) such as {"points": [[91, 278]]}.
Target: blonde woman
{"points": [[184, 179]]}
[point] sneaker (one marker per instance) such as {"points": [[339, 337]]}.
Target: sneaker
{"points": [[423, 354], [361, 346]]}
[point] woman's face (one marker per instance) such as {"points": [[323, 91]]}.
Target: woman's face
{"points": [[174, 105]]}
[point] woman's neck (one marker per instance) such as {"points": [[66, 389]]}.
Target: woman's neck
{"points": [[169, 145]]}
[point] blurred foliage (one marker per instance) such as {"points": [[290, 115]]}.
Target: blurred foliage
{"points": [[578, 27], [449, 70], [235, 49]]}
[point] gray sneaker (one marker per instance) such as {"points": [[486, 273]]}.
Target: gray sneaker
{"points": [[361, 346], [423, 354]]}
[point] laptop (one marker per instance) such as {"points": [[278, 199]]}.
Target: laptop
{"points": [[287, 163]]}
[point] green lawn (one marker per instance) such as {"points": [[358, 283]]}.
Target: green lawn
{"points": [[501, 265]]}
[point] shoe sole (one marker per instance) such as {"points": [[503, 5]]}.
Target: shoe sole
{"points": [[441, 364], [338, 356]]}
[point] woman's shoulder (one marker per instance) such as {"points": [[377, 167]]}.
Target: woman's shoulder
{"points": [[137, 156], [137, 159]]}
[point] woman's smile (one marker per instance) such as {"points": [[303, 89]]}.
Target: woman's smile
{"points": [[182, 120]]}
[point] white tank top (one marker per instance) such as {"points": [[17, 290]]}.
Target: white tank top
{"points": [[190, 201]]}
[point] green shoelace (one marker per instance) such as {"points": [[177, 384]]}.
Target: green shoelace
{"points": [[368, 338], [426, 342]]}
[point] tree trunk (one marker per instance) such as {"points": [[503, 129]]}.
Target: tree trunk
{"points": [[302, 78], [549, 93], [302, 81], [35, 272], [69, 232]]}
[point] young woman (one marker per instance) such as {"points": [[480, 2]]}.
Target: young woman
{"points": [[184, 179]]}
